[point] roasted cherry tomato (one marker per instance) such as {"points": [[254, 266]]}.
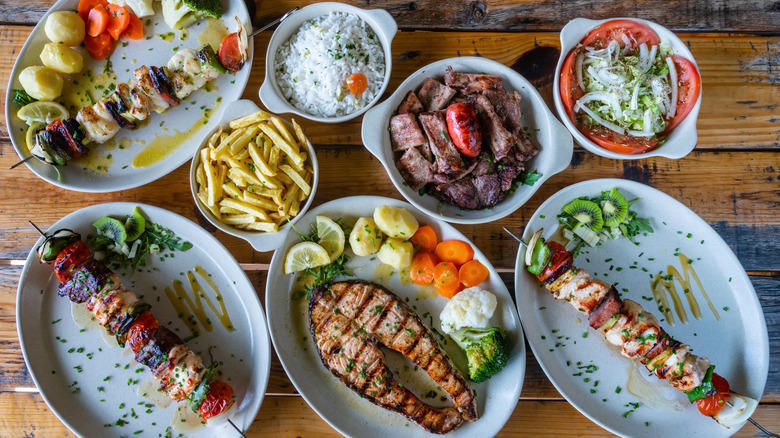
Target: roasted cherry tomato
{"points": [[70, 257], [559, 258], [229, 53], [688, 87], [711, 405], [217, 401], [141, 330], [464, 128]]}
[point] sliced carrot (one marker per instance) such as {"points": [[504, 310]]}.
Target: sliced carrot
{"points": [[455, 251], [425, 238], [357, 83], [99, 47], [86, 5], [472, 273], [118, 19], [445, 278], [97, 21], [134, 29], [421, 270]]}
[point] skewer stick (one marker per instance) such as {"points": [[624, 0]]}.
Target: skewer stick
{"points": [[278, 20], [239, 430], [20, 163], [513, 235], [37, 229]]}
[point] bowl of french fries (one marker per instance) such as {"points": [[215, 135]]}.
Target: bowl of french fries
{"points": [[254, 174]]}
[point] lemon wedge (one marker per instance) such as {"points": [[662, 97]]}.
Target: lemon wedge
{"points": [[305, 255], [331, 237], [31, 131], [43, 112]]}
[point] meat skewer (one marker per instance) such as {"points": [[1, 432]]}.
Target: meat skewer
{"points": [[637, 333], [180, 371]]}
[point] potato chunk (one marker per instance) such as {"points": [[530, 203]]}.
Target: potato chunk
{"points": [[62, 58], [41, 82], [65, 27], [395, 222], [396, 253], [365, 238]]}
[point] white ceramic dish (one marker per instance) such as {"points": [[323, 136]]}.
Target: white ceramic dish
{"points": [[380, 21], [47, 332], [544, 130], [683, 138], [187, 119], [260, 241], [737, 344], [333, 401]]}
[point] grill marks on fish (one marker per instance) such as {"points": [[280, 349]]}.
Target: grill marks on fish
{"points": [[351, 320]]}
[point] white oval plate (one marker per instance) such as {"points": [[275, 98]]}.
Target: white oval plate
{"points": [[738, 345], [337, 404], [82, 176], [244, 354], [544, 130]]}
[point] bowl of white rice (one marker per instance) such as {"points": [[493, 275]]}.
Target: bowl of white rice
{"points": [[328, 62]]}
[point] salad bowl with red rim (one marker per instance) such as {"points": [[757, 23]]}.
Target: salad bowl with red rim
{"points": [[678, 138]]}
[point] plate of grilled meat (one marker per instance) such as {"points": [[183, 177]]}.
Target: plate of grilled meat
{"points": [[366, 348], [642, 302], [117, 120], [174, 341]]}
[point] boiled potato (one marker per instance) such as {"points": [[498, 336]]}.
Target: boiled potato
{"points": [[62, 58], [65, 27], [41, 82], [395, 222], [396, 253], [365, 238]]}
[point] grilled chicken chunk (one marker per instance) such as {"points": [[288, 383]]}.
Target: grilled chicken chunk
{"points": [[350, 320], [97, 122]]}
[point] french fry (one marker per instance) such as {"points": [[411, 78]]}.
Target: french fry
{"points": [[263, 226], [300, 182], [246, 208], [251, 119], [260, 162], [281, 143], [204, 199], [299, 133], [259, 201], [281, 129], [237, 219]]}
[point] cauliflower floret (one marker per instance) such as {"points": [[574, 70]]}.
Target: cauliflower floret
{"points": [[471, 307]]}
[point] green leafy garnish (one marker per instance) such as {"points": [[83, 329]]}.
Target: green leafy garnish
{"points": [[22, 98]]}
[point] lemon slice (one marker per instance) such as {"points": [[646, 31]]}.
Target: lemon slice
{"points": [[331, 237], [305, 255], [31, 131], [43, 112]]}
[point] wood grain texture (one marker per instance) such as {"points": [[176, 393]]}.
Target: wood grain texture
{"points": [[516, 15], [739, 74], [291, 417]]}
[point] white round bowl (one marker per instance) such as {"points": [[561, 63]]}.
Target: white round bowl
{"points": [[682, 139], [545, 131], [381, 22], [260, 240]]}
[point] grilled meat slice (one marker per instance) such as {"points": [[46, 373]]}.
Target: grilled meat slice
{"points": [[448, 158], [609, 305], [405, 133], [90, 278], [582, 291], [434, 95], [97, 122], [155, 353], [411, 104], [349, 321], [501, 140], [415, 169], [469, 83], [461, 193], [507, 106]]}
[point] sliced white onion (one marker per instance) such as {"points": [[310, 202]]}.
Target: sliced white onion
{"points": [[635, 97], [737, 410], [626, 44], [640, 133], [653, 51], [596, 118], [529, 251], [661, 95], [243, 42], [673, 82], [601, 96], [578, 69], [647, 122], [644, 60], [134, 249]]}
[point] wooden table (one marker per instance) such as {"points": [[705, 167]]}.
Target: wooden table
{"points": [[732, 178]]}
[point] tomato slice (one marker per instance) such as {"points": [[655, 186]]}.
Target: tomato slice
{"points": [[70, 257], [637, 33], [99, 47], [141, 330], [688, 87], [711, 405], [559, 258], [229, 53], [217, 401], [618, 143], [570, 88]]}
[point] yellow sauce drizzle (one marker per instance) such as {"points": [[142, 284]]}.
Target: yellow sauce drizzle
{"points": [[659, 284], [213, 34], [163, 145], [186, 303]]}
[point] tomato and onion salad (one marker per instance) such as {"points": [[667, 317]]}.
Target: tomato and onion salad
{"points": [[624, 89]]}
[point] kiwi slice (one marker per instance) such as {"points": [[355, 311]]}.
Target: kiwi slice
{"points": [[111, 228], [135, 225], [614, 208], [586, 212]]}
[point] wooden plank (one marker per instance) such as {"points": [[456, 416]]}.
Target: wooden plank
{"points": [[739, 109], [26, 415], [734, 191], [13, 372], [518, 15]]}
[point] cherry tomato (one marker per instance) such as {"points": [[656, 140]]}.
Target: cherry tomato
{"points": [[357, 83], [99, 47], [229, 53], [217, 401], [711, 405], [559, 258], [689, 85], [636, 32], [141, 330], [69, 258]]}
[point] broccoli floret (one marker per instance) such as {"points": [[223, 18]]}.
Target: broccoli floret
{"points": [[487, 350], [179, 14]]}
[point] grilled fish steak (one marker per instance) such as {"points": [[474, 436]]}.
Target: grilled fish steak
{"points": [[350, 320]]}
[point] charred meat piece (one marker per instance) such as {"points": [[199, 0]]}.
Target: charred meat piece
{"points": [[501, 140], [488, 189], [609, 305], [405, 133], [349, 321], [155, 353], [461, 193], [507, 106], [415, 169], [434, 95], [448, 158], [411, 104], [468, 83], [90, 278]]}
